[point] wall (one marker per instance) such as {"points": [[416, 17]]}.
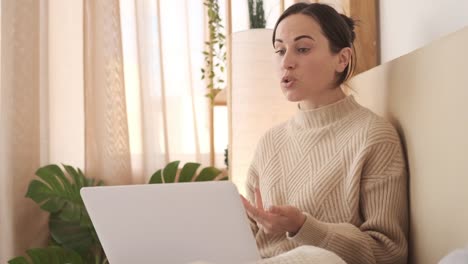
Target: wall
{"points": [[408, 25], [257, 101], [424, 94]]}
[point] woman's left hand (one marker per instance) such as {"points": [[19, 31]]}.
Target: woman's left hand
{"points": [[276, 219]]}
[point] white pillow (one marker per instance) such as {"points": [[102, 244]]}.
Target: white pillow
{"points": [[458, 256]]}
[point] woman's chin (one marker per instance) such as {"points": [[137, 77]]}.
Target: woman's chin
{"points": [[291, 96]]}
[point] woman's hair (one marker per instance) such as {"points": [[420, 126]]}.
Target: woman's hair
{"points": [[337, 28]]}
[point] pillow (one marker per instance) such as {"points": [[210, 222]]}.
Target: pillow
{"points": [[458, 256]]}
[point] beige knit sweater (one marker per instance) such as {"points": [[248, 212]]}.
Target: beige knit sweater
{"points": [[343, 166]]}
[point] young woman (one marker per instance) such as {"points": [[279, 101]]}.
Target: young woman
{"points": [[334, 175]]}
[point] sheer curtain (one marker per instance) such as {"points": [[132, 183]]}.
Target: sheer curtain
{"points": [[113, 87], [22, 224], [107, 150], [167, 109]]}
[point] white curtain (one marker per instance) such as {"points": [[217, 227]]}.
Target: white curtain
{"points": [[168, 112], [22, 224], [113, 87]]}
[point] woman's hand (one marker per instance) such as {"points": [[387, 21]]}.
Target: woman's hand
{"points": [[277, 219]]}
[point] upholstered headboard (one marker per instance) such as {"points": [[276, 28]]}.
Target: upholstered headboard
{"points": [[424, 94]]}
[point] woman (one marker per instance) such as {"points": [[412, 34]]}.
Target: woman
{"points": [[334, 175]]}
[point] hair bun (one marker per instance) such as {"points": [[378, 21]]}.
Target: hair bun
{"points": [[351, 24]]}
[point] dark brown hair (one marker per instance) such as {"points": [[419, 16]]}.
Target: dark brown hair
{"points": [[337, 28]]}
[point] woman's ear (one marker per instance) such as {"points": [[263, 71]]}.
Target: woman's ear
{"points": [[344, 59]]}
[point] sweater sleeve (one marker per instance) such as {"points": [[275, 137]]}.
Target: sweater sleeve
{"points": [[253, 173], [381, 238], [251, 184]]}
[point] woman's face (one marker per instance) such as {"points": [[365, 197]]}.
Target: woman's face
{"points": [[306, 66]]}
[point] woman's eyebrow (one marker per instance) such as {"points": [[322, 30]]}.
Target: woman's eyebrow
{"points": [[303, 36], [297, 38]]}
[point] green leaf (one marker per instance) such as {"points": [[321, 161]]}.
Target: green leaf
{"points": [[77, 178], [224, 178], [38, 191], [188, 172], [73, 235], [53, 205], [83, 180], [156, 178], [69, 222], [71, 212], [208, 174], [49, 175], [18, 260], [211, 13], [49, 255], [39, 256], [170, 172]]}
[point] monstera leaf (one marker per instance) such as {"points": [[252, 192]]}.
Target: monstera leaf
{"points": [[50, 255], [69, 222], [187, 174]]}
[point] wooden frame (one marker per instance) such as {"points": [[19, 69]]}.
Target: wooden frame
{"points": [[367, 37]]}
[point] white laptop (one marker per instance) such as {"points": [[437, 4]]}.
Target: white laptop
{"points": [[175, 223]]}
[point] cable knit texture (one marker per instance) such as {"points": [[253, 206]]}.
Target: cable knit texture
{"points": [[343, 166]]}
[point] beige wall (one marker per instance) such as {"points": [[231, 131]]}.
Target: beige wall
{"points": [[257, 101], [408, 25], [424, 94]]}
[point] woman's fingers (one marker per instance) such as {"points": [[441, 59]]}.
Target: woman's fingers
{"points": [[249, 209], [275, 220], [281, 210], [258, 199]]}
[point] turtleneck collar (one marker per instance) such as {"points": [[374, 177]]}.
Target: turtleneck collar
{"points": [[325, 115]]}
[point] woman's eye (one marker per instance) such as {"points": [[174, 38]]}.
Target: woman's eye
{"points": [[303, 50], [280, 52]]}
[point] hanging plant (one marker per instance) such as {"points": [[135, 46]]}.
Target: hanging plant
{"points": [[256, 14], [215, 52]]}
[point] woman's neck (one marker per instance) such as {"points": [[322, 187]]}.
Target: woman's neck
{"points": [[322, 99]]}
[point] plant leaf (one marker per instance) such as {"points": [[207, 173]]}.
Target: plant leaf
{"points": [[71, 212], [38, 191], [49, 255], [188, 172], [18, 260], [82, 178], [170, 172], [79, 183], [208, 174], [53, 205], [69, 222], [72, 235], [156, 178], [38, 255]]}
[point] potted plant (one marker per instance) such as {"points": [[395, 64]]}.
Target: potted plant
{"points": [[215, 52], [256, 14]]}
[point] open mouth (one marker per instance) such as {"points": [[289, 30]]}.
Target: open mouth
{"points": [[288, 81]]}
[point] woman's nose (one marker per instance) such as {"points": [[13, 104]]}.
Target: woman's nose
{"points": [[289, 61]]}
